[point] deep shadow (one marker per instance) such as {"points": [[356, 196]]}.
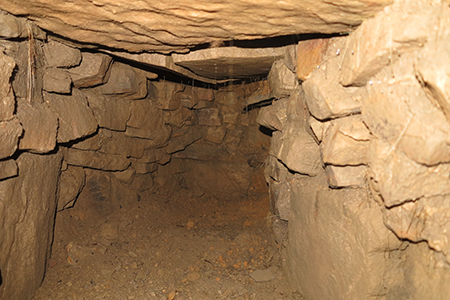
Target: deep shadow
{"points": [[265, 130], [1, 278], [273, 42]]}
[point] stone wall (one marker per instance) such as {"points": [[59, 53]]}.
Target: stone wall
{"points": [[84, 128], [358, 170]]}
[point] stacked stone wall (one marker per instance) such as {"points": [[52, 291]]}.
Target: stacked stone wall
{"points": [[359, 180]]}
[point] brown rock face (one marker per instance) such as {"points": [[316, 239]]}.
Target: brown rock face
{"points": [[27, 207], [175, 26]]}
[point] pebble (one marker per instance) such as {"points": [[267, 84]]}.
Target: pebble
{"points": [[262, 275], [193, 276], [109, 231]]}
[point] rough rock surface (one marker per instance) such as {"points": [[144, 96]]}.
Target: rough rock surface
{"points": [[71, 183], [7, 103], [40, 126], [165, 26], [61, 55], [95, 160], [92, 71], [332, 244], [27, 207], [76, 119], [110, 112], [57, 80], [10, 131], [229, 62]]}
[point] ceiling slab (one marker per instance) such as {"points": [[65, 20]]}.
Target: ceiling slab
{"points": [[176, 26], [229, 62]]}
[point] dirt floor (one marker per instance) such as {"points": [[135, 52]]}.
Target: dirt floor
{"points": [[167, 247]]}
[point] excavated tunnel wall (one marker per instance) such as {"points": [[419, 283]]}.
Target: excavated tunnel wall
{"points": [[357, 162]]}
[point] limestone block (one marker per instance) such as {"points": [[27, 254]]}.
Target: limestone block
{"points": [[208, 117], [126, 175], [146, 120], [215, 134], [229, 62], [298, 150], [346, 142], [188, 96], [280, 196], [12, 27], [280, 230], [326, 98], [162, 92], [8, 169], [403, 115], [348, 176], [399, 28], [262, 93], [204, 94], [229, 115], [201, 151], [7, 103], [179, 143], [40, 125], [155, 155], [61, 55], [335, 237], [178, 117], [144, 168], [93, 142], [142, 182], [297, 110], [118, 143], [57, 80], [400, 179], [10, 132], [275, 170], [290, 57], [92, 71], [111, 113], [162, 139], [413, 276], [95, 160], [432, 66], [27, 210], [125, 82], [135, 27], [282, 80], [203, 104], [71, 183], [319, 128], [310, 54], [230, 97], [425, 219], [274, 116], [76, 119]]}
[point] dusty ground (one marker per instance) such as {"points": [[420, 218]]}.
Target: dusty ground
{"points": [[166, 247]]}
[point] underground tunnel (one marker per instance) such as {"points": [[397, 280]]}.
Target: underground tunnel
{"points": [[224, 150]]}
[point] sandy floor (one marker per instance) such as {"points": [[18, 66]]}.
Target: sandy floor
{"points": [[167, 247]]}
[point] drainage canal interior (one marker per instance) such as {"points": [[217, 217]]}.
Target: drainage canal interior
{"points": [[290, 167], [162, 193]]}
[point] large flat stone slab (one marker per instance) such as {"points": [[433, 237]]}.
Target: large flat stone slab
{"points": [[229, 62], [168, 26]]}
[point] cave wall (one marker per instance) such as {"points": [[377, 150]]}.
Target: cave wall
{"points": [[359, 177]]}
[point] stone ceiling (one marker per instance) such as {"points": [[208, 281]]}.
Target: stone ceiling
{"points": [[176, 26]]}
